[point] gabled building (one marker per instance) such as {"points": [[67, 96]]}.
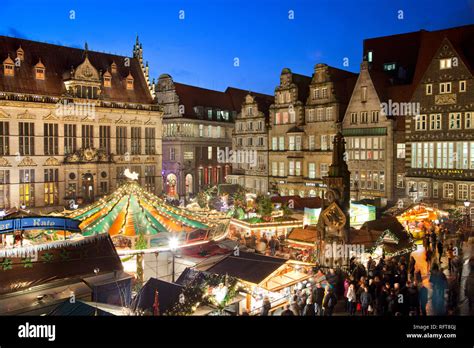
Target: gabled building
{"points": [[304, 122], [71, 122], [440, 138], [197, 123], [250, 144]]}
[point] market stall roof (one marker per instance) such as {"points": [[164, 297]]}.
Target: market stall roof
{"points": [[249, 267], [78, 308], [131, 210], [386, 232], [73, 259], [306, 235], [168, 295]]}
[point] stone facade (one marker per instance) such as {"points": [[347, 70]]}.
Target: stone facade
{"points": [[304, 121], [197, 124], [440, 146], [250, 144], [71, 140], [369, 135]]}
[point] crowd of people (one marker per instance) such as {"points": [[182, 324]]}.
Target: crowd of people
{"points": [[388, 287]]}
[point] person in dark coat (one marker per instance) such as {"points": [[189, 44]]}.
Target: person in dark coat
{"points": [[433, 240], [365, 301], [440, 250], [266, 307], [308, 310], [413, 298], [329, 301], [318, 296], [287, 312], [411, 268], [439, 283], [423, 296], [428, 256]]}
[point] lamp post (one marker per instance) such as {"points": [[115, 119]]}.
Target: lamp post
{"points": [[173, 244]]}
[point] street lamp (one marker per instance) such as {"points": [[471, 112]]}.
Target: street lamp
{"points": [[173, 244]]}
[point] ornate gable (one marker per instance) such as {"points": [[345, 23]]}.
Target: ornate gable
{"points": [[26, 116], [27, 162], [86, 71]]}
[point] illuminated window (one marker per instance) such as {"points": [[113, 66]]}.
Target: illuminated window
{"points": [[51, 187], [129, 81], [420, 122], [445, 63], [40, 70], [445, 87], [448, 191], [429, 89], [455, 120], [364, 94], [107, 79]]}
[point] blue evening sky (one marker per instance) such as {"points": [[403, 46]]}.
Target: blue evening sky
{"points": [[200, 49]]}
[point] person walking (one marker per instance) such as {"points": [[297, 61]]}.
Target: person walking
{"points": [[411, 268], [450, 255], [287, 312], [351, 299], [413, 299], [294, 306], [308, 310], [429, 256], [423, 296], [329, 301], [318, 296], [439, 284], [433, 240], [266, 307], [440, 250], [272, 244], [365, 301]]}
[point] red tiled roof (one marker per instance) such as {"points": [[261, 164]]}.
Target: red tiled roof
{"points": [[414, 52], [58, 61], [231, 99]]}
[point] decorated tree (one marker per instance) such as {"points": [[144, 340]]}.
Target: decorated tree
{"points": [[264, 206]]}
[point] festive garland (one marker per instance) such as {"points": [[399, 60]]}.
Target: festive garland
{"points": [[197, 293]]}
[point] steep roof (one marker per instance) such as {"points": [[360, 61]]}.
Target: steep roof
{"points": [[238, 97], [414, 52], [250, 267], [168, 295], [58, 61], [302, 82], [69, 262]]}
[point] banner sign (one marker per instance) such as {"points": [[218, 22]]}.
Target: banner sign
{"points": [[39, 223]]}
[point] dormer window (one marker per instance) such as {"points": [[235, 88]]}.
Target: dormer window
{"points": [[113, 68], [107, 79], [40, 70], [20, 54], [9, 67], [129, 81]]}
